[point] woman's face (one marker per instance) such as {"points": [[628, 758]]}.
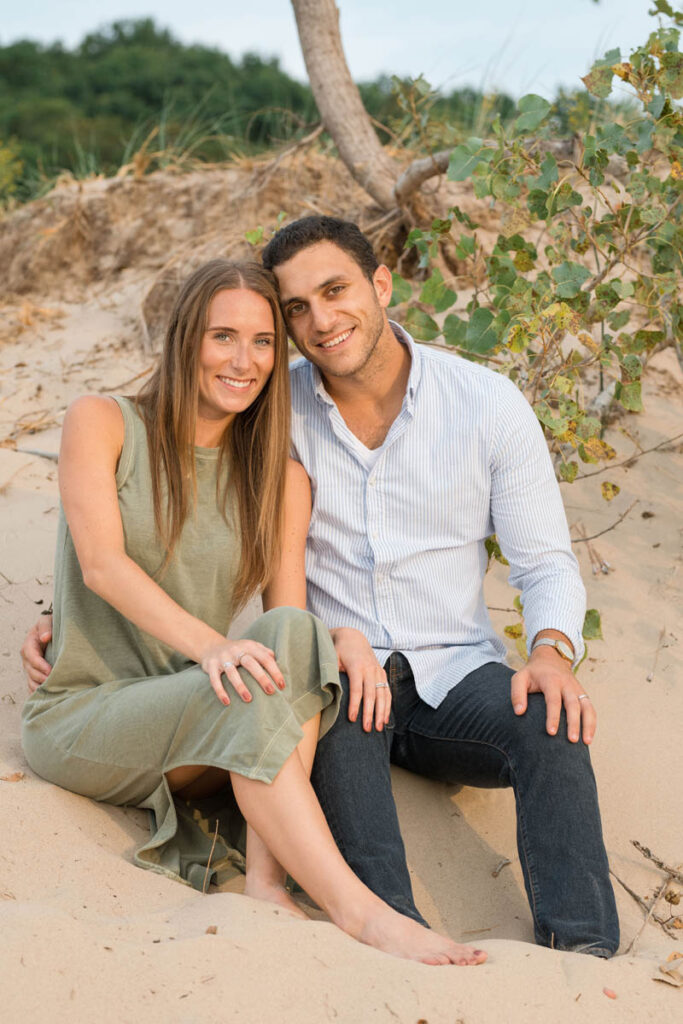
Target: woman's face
{"points": [[236, 358]]}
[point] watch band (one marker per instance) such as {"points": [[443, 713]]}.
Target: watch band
{"points": [[562, 648]]}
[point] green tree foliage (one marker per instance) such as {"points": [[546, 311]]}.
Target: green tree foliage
{"points": [[91, 108], [123, 81], [586, 273]]}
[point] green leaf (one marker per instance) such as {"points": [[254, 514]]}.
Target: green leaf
{"points": [[436, 293], [599, 81], [644, 341], [548, 173], [568, 471], [465, 247], [629, 395], [401, 291], [493, 550], [672, 74], [592, 625], [569, 277], [479, 337], [503, 187], [254, 237], [624, 289], [466, 158], [618, 320], [421, 325], [533, 111], [537, 203], [550, 419], [454, 330]]}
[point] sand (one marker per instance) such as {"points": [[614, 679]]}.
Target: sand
{"points": [[87, 936]]}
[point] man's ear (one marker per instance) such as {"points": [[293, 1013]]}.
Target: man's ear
{"points": [[381, 279]]}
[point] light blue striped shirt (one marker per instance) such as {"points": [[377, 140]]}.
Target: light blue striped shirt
{"points": [[397, 550]]}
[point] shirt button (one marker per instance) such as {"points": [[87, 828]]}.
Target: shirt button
{"points": [[372, 482]]}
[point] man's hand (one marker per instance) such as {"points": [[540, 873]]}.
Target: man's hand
{"points": [[548, 673], [367, 678], [36, 668]]}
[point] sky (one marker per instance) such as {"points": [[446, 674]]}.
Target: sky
{"points": [[515, 46]]}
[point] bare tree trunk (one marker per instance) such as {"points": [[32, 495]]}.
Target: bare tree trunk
{"points": [[339, 102]]}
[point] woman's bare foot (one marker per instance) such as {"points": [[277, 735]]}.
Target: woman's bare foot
{"points": [[401, 936], [273, 892]]}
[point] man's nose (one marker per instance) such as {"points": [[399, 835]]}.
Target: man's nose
{"points": [[323, 318]]}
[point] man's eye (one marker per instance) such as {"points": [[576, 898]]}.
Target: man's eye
{"points": [[335, 289], [295, 309]]}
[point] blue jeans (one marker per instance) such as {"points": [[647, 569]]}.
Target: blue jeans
{"points": [[475, 738]]}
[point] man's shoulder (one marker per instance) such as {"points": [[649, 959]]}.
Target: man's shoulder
{"points": [[453, 370], [301, 381]]}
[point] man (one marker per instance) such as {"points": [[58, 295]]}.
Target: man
{"points": [[415, 456]]}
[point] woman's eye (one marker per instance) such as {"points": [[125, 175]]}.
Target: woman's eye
{"points": [[264, 341]]}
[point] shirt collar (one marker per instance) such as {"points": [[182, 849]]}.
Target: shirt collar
{"points": [[413, 377]]}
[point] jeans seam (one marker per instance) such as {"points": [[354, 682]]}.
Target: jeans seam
{"points": [[533, 884]]}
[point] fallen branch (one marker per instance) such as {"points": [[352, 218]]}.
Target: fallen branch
{"points": [[675, 873], [582, 540], [653, 903], [418, 172]]}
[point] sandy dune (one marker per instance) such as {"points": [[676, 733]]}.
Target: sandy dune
{"points": [[86, 936]]}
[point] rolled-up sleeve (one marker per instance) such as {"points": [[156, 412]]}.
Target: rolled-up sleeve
{"points": [[530, 522]]}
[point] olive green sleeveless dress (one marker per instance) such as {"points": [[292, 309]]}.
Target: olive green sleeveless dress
{"points": [[120, 709]]}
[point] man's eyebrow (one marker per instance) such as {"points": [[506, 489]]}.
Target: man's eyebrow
{"points": [[318, 288]]}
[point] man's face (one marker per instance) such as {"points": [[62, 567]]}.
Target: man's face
{"points": [[334, 314]]}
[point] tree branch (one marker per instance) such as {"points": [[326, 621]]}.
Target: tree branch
{"points": [[418, 172]]}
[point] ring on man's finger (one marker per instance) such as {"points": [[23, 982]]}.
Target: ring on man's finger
{"points": [[228, 664], [381, 686], [583, 696]]}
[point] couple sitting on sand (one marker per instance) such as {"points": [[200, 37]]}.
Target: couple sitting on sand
{"points": [[180, 504]]}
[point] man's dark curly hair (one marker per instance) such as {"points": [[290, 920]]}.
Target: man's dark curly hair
{"points": [[307, 231]]}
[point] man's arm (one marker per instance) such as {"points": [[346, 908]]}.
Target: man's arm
{"points": [[531, 526]]}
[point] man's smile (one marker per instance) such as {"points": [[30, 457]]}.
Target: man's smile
{"points": [[337, 340]]}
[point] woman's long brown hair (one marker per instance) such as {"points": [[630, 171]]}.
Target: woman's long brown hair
{"points": [[254, 447]]}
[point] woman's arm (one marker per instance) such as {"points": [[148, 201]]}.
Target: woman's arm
{"points": [[92, 440], [288, 584]]}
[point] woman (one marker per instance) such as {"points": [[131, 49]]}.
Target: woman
{"points": [[176, 509]]}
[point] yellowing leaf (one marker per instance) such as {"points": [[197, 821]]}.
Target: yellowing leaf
{"points": [[514, 631], [609, 490]]}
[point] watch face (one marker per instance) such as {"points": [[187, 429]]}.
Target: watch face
{"points": [[564, 649]]}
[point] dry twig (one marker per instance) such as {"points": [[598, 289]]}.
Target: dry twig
{"points": [[580, 540], [208, 863]]}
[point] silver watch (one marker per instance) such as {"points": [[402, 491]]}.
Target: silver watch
{"points": [[563, 649]]}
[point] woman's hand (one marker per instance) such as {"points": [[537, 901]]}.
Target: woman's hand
{"points": [[224, 659], [33, 652], [367, 678]]}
